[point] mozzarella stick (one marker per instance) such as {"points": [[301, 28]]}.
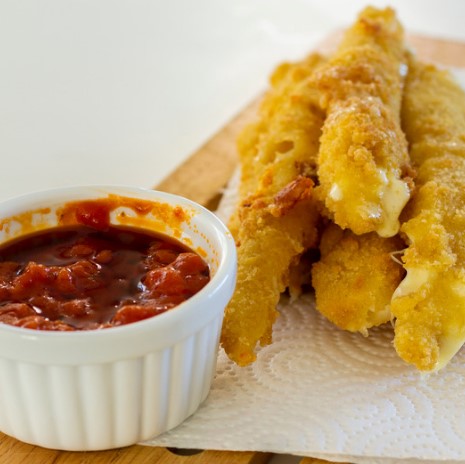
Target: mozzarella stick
{"points": [[429, 304], [355, 278], [364, 170], [433, 115], [259, 142], [275, 220]]}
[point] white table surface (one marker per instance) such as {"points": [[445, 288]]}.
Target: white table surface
{"points": [[122, 91]]}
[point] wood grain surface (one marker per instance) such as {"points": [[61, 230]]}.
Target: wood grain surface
{"points": [[202, 178]]}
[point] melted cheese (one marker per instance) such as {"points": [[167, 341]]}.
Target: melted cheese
{"points": [[449, 346], [379, 317], [394, 197], [336, 193], [415, 278], [453, 337]]}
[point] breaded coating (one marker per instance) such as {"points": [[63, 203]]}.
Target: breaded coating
{"points": [[429, 304], [274, 133], [355, 278], [364, 169], [432, 124], [275, 220]]}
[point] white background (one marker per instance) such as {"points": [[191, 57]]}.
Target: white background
{"points": [[122, 91]]}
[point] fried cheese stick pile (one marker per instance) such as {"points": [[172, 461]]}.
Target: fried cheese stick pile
{"points": [[429, 304], [329, 149], [277, 214], [363, 163]]}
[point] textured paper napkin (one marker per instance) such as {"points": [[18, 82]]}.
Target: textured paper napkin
{"points": [[318, 391]]}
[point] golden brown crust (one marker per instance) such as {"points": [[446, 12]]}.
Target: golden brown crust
{"points": [[275, 220], [356, 277], [429, 305], [363, 154]]}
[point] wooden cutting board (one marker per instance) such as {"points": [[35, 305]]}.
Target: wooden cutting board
{"points": [[201, 178]]}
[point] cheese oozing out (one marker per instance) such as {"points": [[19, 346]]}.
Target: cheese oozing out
{"points": [[393, 195], [415, 278], [452, 338]]}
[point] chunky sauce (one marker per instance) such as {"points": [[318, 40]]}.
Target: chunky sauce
{"points": [[81, 277]]}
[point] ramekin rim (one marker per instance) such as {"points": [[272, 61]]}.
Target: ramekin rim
{"points": [[226, 265]]}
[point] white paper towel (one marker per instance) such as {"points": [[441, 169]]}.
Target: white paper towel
{"points": [[322, 392]]}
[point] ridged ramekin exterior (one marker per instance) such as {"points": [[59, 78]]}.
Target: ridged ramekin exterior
{"points": [[108, 405]]}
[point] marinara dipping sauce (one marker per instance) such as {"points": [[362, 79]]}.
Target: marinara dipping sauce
{"points": [[81, 278]]}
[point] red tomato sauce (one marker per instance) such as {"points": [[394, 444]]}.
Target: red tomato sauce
{"points": [[81, 278]]}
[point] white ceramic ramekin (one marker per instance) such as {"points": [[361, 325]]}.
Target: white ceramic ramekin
{"points": [[94, 390]]}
